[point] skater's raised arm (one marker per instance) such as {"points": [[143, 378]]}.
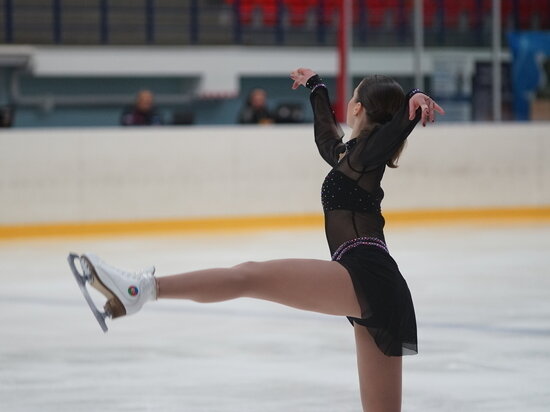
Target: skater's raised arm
{"points": [[327, 131]]}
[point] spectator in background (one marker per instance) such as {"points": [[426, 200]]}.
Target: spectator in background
{"points": [[142, 113], [6, 116], [256, 111]]}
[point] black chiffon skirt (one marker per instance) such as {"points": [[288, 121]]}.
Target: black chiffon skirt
{"points": [[387, 309]]}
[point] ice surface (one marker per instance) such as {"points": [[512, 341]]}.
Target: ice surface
{"points": [[482, 297]]}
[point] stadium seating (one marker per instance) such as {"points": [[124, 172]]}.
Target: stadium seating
{"points": [[464, 14], [255, 22]]}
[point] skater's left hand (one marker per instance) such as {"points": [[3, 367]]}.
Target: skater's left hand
{"points": [[301, 76], [428, 106]]}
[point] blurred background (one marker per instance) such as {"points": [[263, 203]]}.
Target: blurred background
{"points": [[79, 63]]}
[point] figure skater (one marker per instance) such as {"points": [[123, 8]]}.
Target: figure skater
{"points": [[361, 281]]}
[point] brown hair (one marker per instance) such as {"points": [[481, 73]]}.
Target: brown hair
{"points": [[382, 97]]}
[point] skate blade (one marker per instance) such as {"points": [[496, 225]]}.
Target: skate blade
{"points": [[114, 307], [81, 281]]}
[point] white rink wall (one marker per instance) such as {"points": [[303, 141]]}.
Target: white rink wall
{"points": [[87, 175]]}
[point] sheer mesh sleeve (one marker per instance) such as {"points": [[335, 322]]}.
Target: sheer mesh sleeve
{"points": [[328, 133], [380, 146]]}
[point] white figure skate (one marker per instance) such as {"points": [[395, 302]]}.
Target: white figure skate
{"points": [[126, 292]]}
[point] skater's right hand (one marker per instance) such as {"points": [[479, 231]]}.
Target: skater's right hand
{"points": [[301, 76], [428, 106]]}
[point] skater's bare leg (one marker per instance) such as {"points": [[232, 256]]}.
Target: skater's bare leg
{"points": [[379, 375], [315, 285]]}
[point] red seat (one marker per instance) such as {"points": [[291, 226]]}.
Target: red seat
{"points": [[330, 8], [298, 10], [246, 10], [507, 10], [430, 12], [269, 9], [543, 9], [455, 9], [377, 9], [530, 10]]}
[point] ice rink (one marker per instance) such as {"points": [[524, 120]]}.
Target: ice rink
{"points": [[482, 296]]}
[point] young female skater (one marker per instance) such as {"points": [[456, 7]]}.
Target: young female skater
{"points": [[362, 281]]}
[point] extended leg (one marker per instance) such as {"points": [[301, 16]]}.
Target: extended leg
{"points": [[315, 285], [379, 375]]}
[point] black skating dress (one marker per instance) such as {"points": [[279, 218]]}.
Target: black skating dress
{"points": [[351, 197]]}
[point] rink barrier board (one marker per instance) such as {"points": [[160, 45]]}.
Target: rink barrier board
{"points": [[55, 176], [275, 222]]}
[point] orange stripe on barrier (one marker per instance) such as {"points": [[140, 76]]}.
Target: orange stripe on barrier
{"points": [[492, 215], [286, 222], [233, 224]]}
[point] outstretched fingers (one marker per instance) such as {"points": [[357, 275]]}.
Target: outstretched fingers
{"points": [[427, 106], [434, 107], [438, 108], [300, 76]]}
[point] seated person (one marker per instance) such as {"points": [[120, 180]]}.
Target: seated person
{"points": [[7, 114], [142, 113], [256, 111]]}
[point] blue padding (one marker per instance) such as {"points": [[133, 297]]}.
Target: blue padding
{"points": [[527, 48]]}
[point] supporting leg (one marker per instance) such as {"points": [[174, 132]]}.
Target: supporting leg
{"points": [[315, 285], [379, 375]]}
